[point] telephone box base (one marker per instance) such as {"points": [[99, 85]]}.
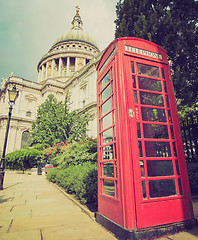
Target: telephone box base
{"points": [[146, 233]]}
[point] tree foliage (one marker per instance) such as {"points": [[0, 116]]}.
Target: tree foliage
{"points": [[172, 25], [54, 123]]}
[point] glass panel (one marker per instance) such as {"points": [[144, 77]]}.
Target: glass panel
{"points": [[169, 116], [140, 148], [134, 82], [108, 136], [151, 99], [162, 188], [144, 190], [167, 101], [163, 75], [180, 187], [132, 67], [160, 168], [153, 114], [108, 169], [116, 189], [174, 149], [107, 121], [172, 132], [155, 131], [114, 133], [177, 167], [165, 88], [142, 168], [106, 107], [108, 152], [135, 97], [112, 87], [157, 149], [147, 70], [138, 130], [150, 84], [106, 93], [108, 187], [106, 79]]}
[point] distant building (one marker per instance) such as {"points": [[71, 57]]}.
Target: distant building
{"points": [[69, 66]]}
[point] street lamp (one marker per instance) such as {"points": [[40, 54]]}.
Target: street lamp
{"points": [[13, 94]]}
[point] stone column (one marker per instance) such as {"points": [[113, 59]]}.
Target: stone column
{"points": [[59, 67], [42, 73], [68, 62], [52, 69]]}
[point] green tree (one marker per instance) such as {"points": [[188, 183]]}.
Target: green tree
{"points": [[54, 123], [172, 25]]}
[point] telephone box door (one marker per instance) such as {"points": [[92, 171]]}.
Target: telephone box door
{"points": [[156, 143]]}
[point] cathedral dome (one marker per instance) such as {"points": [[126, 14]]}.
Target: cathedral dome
{"points": [[76, 33], [69, 53]]}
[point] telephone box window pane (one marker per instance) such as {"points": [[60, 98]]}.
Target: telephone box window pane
{"points": [[155, 131], [116, 189], [135, 97], [107, 121], [151, 99], [144, 190], [106, 93], [172, 132], [142, 168], [162, 188], [108, 187], [177, 167], [165, 88], [167, 101], [106, 80], [174, 149], [134, 82], [180, 187], [106, 107], [150, 84], [147, 70], [140, 148], [132, 67], [108, 169], [169, 116], [108, 136], [157, 168], [138, 130], [157, 149], [163, 74], [108, 152], [153, 115]]}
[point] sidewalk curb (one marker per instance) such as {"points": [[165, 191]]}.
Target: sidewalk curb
{"points": [[83, 208]]}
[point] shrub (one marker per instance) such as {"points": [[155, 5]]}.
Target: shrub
{"points": [[23, 159], [80, 180], [77, 153]]}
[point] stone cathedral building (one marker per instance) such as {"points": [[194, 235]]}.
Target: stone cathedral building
{"points": [[68, 66]]}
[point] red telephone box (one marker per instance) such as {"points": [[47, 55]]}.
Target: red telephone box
{"points": [[142, 175]]}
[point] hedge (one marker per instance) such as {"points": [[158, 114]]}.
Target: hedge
{"points": [[80, 180], [23, 159]]}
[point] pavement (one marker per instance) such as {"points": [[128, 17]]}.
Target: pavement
{"points": [[32, 208]]}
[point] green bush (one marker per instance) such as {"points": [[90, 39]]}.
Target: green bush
{"points": [[77, 153], [23, 159], [80, 180]]}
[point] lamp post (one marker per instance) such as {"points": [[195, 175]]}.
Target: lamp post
{"points": [[13, 94]]}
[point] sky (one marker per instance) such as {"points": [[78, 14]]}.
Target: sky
{"points": [[28, 29]]}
